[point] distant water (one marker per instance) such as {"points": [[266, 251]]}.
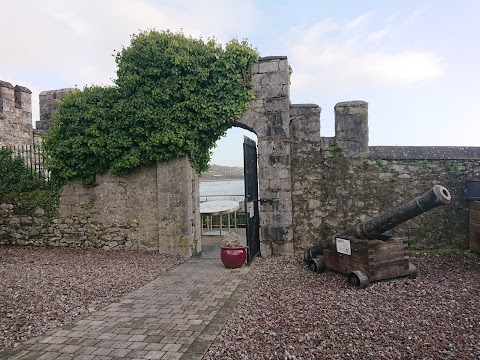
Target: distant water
{"points": [[222, 189]]}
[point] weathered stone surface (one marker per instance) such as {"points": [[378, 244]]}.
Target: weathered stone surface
{"points": [[122, 212], [337, 182], [49, 101], [269, 119], [15, 115], [315, 186]]}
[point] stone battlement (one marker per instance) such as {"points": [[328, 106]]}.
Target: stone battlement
{"points": [[15, 114]]}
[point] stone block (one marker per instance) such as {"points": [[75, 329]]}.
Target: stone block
{"points": [[272, 91], [283, 65], [275, 78], [268, 67]]}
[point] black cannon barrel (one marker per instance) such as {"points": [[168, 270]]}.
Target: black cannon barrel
{"points": [[374, 227]]}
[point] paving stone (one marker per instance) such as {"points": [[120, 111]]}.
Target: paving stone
{"points": [[137, 345], [172, 347], [119, 353], [121, 344], [105, 336], [73, 341], [86, 350], [192, 356], [137, 338], [77, 334], [176, 316], [89, 342], [102, 351], [70, 349], [27, 355], [84, 357], [154, 338], [37, 347], [172, 356], [154, 354], [62, 333], [49, 356], [137, 354], [152, 346], [65, 357], [121, 337], [53, 347], [54, 340]]}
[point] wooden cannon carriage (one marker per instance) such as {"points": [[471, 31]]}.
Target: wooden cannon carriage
{"points": [[365, 254]]}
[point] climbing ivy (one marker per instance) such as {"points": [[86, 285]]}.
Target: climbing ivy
{"points": [[15, 176], [25, 188], [173, 96]]}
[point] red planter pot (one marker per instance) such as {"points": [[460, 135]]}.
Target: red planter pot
{"points": [[233, 257]]}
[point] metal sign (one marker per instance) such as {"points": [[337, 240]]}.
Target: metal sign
{"points": [[251, 209], [343, 246]]}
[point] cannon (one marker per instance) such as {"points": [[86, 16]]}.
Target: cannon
{"points": [[365, 253]]}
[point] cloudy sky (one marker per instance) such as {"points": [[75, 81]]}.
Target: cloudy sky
{"points": [[416, 62]]}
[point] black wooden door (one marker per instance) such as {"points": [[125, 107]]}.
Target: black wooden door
{"points": [[251, 197]]}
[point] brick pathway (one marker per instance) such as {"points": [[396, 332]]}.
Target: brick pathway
{"points": [[176, 316]]}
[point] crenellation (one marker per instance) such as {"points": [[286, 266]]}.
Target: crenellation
{"points": [[15, 115], [23, 98], [6, 97], [49, 102], [351, 127]]}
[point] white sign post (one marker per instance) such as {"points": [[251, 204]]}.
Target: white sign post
{"points": [[343, 246], [251, 209]]}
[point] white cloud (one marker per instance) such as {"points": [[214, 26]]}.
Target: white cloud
{"points": [[348, 54], [60, 43], [378, 36], [415, 14], [357, 22], [74, 39]]}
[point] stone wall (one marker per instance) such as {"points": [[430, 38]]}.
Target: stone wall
{"points": [[15, 115], [269, 118], [49, 101], [133, 211], [313, 187], [338, 182], [179, 225]]}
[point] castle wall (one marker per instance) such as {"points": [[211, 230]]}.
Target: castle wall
{"points": [[49, 101], [269, 118], [15, 115], [147, 209], [313, 186], [338, 182]]}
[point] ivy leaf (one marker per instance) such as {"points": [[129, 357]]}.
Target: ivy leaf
{"points": [[173, 96]]}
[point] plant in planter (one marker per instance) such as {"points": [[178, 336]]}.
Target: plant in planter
{"points": [[233, 254]]}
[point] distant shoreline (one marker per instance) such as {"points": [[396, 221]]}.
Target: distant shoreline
{"points": [[220, 178]]}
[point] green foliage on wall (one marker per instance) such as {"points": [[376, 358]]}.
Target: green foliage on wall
{"points": [[27, 189], [173, 96], [14, 176]]}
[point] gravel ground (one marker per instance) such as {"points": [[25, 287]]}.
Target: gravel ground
{"points": [[41, 288], [289, 312]]}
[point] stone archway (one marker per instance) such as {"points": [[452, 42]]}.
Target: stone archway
{"points": [[174, 184], [269, 118]]}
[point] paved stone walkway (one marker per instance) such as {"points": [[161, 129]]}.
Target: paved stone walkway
{"points": [[176, 316]]}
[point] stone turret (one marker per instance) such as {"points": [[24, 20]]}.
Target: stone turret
{"points": [[15, 114], [49, 101]]}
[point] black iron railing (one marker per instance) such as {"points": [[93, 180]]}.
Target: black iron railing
{"points": [[33, 157]]}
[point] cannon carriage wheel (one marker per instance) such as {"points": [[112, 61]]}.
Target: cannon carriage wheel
{"points": [[358, 278], [317, 265]]}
